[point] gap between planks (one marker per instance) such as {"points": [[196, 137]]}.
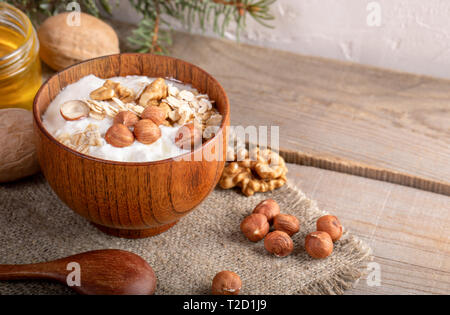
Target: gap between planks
{"points": [[364, 170]]}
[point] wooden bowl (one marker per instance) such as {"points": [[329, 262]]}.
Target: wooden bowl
{"points": [[126, 199]]}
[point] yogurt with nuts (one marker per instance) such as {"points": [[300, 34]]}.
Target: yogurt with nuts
{"points": [[131, 119]]}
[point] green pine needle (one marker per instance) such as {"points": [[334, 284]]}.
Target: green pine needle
{"points": [[152, 33]]}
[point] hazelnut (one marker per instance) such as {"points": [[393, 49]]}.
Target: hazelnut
{"points": [[126, 118], [155, 114], [331, 225], [286, 223], [146, 131], [269, 208], [226, 283], [279, 243], [255, 227], [319, 244], [119, 135], [188, 137], [74, 110]]}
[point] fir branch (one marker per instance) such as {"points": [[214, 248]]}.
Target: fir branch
{"points": [[152, 33], [155, 45]]}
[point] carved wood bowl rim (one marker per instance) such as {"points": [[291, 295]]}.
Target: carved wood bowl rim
{"points": [[225, 114]]}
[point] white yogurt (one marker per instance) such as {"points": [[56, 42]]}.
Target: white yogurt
{"points": [[56, 125]]}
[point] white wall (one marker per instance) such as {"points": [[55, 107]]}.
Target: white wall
{"points": [[414, 35]]}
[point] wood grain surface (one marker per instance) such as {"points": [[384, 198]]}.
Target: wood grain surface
{"points": [[361, 120], [407, 228], [131, 199]]}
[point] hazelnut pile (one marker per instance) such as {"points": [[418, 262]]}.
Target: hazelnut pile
{"points": [[256, 227], [318, 244]]}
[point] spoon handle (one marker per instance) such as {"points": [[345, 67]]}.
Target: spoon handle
{"points": [[31, 271]]}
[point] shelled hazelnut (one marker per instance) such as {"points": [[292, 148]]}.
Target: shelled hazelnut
{"points": [[319, 244], [255, 227], [146, 131], [226, 283], [118, 135], [286, 223], [331, 225], [269, 208], [126, 118], [279, 243], [155, 114], [188, 136]]}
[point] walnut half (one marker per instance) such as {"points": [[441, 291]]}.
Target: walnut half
{"points": [[155, 91]]}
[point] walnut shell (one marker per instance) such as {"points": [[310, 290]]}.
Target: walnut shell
{"points": [[62, 44], [17, 149]]}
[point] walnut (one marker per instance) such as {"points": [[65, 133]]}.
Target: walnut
{"points": [[267, 172], [249, 187], [125, 94], [166, 110], [102, 93], [155, 91], [233, 174], [273, 167], [111, 89]]}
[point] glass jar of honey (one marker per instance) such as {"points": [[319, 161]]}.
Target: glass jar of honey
{"points": [[20, 67]]}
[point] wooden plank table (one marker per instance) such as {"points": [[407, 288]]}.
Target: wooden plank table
{"points": [[407, 228], [386, 125]]}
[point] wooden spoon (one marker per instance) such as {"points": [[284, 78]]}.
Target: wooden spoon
{"points": [[108, 271]]}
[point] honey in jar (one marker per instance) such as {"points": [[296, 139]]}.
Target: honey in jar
{"points": [[20, 68]]}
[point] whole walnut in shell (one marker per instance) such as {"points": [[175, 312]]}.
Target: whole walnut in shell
{"points": [[63, 44], [17, 149]]}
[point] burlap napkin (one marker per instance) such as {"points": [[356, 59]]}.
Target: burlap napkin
{"points": [[36, 226]]}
